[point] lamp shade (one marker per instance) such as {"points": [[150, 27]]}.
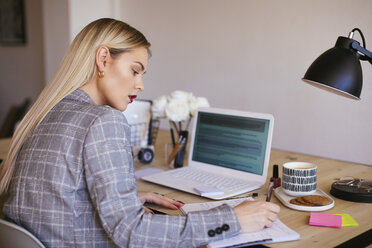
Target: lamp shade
{"points": [[337, 70]]}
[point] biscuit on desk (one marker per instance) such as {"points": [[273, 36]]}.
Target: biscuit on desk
{"points": [[300, 202], [311, 200]]}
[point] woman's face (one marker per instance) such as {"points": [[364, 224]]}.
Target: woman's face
{"points": [[123, 78]]}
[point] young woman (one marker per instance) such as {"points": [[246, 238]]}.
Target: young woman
{"points": [[69, 172]]}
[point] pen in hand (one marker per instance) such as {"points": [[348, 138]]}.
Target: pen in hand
{"points": [[270, 190]]}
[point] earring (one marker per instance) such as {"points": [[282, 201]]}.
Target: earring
{"points": [[101, 74]]}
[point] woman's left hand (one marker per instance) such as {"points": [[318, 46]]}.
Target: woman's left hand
{"points": [[160, 200]]}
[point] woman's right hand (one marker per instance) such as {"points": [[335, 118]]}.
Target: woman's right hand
{"points": [[255, 215]]}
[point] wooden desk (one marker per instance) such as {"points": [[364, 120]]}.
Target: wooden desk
{"points": [[311, 236]]}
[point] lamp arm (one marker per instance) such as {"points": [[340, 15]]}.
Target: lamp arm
{"points": [[367, 54]]}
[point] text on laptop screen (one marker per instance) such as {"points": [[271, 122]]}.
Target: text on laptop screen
{"points": [[234, 142]]}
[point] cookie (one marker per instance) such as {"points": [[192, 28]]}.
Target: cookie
{"points": [[300, 202], [304, 203], [311, 200], [317, 200]]}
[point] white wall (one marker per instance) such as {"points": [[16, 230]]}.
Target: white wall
{"points": [[63, 20], [56, 34], [251, 55], [83, 12]]}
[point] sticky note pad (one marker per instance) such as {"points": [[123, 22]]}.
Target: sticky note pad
{"points": [[347, 220], [321, 219]]}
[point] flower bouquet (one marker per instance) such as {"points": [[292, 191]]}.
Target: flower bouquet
{"points": [[179, 108]]}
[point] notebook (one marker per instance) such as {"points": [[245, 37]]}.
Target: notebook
{"points": [[229, 154], [279, 232]]}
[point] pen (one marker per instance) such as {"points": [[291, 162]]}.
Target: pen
{"points": [[270, 190], [249, 243], [181, 142], [238, 197], [173, 141]]}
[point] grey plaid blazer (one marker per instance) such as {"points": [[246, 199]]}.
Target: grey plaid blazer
{"points": [[74, 186]]}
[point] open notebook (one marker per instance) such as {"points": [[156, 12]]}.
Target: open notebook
{"points": [[279, 232], [229, 154]]}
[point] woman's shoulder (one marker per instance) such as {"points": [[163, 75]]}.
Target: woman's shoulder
{"points": [[80, 109], [105, 114], [101, 112]]}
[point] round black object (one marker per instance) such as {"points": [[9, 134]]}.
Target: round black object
{"points": [[348, 193], [211, 233], [225, 227], [146, 155], [218, 230]]}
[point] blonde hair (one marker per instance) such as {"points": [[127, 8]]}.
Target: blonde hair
{"points": [[77, 67]]}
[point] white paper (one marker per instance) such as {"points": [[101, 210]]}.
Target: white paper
{"points": [[279, 232]]}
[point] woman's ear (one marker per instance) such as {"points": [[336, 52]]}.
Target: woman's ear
{"points": [[102, 55]]}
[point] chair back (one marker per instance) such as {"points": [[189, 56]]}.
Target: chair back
{"points": [[15, 114], [14, 236]]}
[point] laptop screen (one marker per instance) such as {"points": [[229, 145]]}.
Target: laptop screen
{"points": [[230, 141]]}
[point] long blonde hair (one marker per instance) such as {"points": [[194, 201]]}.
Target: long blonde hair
{"points": [[77, 67]]}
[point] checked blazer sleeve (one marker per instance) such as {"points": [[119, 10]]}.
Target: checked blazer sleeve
{"points": [[112, 188]]}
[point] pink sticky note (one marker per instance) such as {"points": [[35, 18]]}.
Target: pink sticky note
{"points": [[321, 219]]}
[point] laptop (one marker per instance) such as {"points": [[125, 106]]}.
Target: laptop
{"points": [[229, 154]]}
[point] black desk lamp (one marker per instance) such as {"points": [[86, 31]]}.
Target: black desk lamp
{"points": [[338, 70]]}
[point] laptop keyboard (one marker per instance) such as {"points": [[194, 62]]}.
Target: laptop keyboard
{"points": [[200, 177]]}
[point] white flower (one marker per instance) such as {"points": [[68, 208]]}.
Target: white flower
{"points": [[181, 96], [177, 110], [158, 107], [197, 102]]}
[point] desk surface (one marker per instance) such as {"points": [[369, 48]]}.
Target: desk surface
{"points": [[311, 236]]}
